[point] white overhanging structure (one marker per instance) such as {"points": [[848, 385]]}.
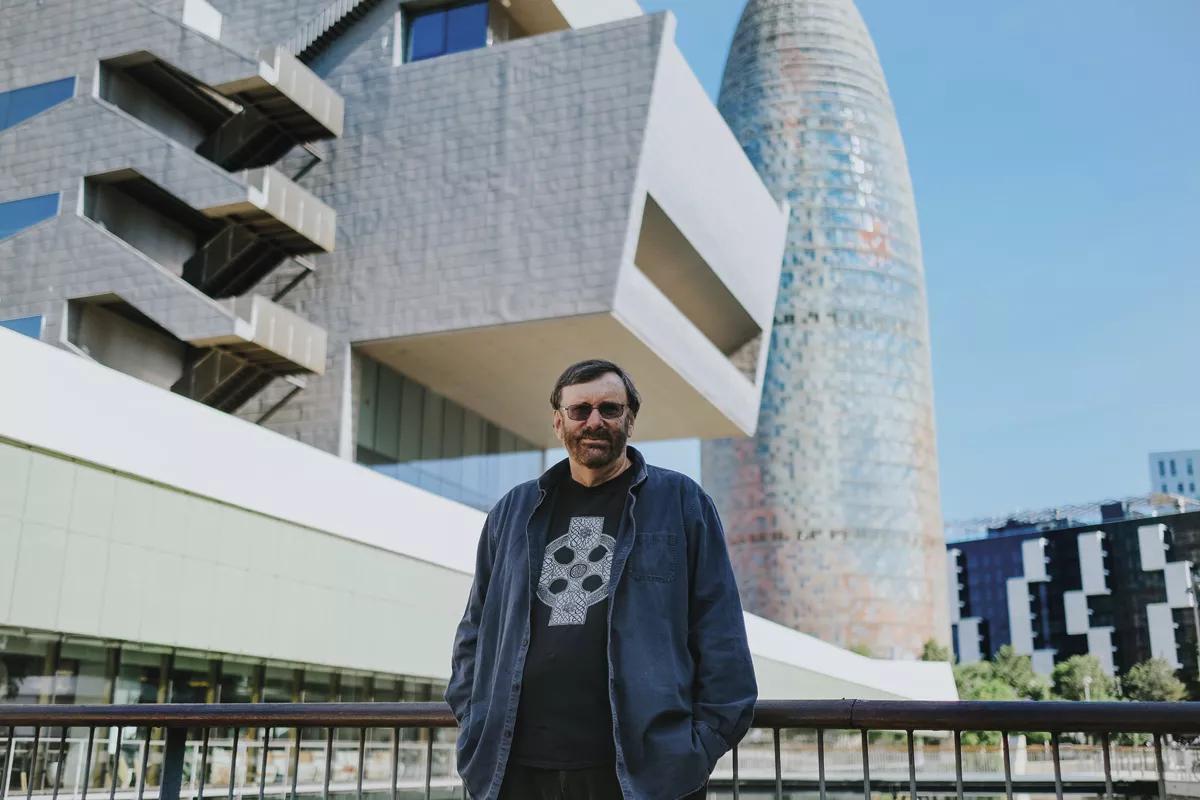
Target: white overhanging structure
{"points": [[118, 494]]}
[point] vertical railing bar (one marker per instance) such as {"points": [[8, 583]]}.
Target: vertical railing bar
{"points": [[866, 756], [233, 754], [62, 758], [1108, 786], [203, 765], [262, 768], [1158, 759], [328, 761], [1008, 792], [116, 764], [821, 761], [8, 757], [736, 788], [1058, 788], [395, 762], [912, 768], [428, 763], [296, 764], [175, 749], [145, 761], [958, 779], [362, 755], [87, 764], [37, 740], [778, 769]]}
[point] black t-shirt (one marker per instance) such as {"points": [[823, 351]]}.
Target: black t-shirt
{"points": [[564, 720]]}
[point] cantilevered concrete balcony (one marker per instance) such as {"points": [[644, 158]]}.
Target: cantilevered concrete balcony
{"points": [[595, 205]]}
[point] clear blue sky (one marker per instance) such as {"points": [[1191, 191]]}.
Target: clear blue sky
{"points": [[1055, 149]]}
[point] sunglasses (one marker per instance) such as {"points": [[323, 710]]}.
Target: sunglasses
{"points": [[581, 411]]}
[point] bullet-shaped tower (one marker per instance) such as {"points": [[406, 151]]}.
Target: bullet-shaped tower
{"points": [[832, 510]]}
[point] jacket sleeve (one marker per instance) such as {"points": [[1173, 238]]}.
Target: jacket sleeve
{"points": [[724, 691], [462, 659]]}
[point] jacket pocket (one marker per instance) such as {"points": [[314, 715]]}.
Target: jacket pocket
{"points": [[655, 557]]}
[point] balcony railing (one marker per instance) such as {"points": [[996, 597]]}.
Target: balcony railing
{"points": [[392, 751]]}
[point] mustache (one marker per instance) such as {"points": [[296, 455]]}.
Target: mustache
{"points": [[598, 433]]}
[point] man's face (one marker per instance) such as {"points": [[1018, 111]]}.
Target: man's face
{"points": [[594, 442]]}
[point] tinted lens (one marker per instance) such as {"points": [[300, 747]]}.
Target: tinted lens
{"points": [[611, 410], [581, 411]]}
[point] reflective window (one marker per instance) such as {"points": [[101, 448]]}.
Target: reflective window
{"points": [[411, 433], [26, 669], [140, 676], [445, 30], [30, 326], [21, 104], [1162, 470], [1190, 467], [17, 215], [1172, 468]]}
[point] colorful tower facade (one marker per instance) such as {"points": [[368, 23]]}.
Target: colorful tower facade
{"points": [[832, 510]]}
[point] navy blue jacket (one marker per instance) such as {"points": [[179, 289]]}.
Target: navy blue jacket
{"points": [[681, 683]]}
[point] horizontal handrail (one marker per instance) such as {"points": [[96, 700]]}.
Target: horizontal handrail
{"points": [[1008, 715]]}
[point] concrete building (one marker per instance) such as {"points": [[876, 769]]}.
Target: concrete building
{"points": [[1120, 588], [319, 216], [1175, 473], [278, 254], [832, 508]]}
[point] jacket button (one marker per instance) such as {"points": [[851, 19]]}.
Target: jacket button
{"points": [[508, 734]]}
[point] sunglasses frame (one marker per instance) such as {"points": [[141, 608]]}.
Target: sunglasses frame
{"points": [[566, 410]]}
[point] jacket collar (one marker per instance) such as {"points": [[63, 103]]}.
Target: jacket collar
{"points": [[556, 473]]}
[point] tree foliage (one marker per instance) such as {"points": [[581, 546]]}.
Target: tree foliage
{"points": [[1017, 672], [1153, 680], [1081, 678], [932, 651]]}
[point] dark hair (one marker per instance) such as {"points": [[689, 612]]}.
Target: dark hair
{"points": [[586, 371]]}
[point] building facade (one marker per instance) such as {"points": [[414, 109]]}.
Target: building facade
{"points": [[382, 228], [1175, 473], [1121, 589], [832, 508]]}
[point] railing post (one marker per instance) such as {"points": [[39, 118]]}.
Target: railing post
{"points": [[172, 769]]}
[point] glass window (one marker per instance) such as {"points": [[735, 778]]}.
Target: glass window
{"points": [[30, 326], [140, 676], [408, 432], [1190, 467], [1181, 488], [1162, 470], [450, 29], [239, 683], [17, 215], [19, 105], [193, 679], [26, 667], [1172, 468], [85, 673]]}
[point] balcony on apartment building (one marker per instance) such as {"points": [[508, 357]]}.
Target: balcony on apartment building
{"points": [[565, 193], [184, 214]]}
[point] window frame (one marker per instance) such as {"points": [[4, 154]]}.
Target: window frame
{"points": [[409, 15]]}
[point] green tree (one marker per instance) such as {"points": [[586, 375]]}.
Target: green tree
{"points": [[1017, 672], [932, 651], [1081, 678], [978, 681], [861, 649], [1153, 680]]}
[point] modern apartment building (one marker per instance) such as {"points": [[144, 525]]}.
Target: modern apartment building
{"points": [[1175, 473], [1121, 589], [277, 254]]}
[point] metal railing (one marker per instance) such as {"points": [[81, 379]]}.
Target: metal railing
{"points": [[395, 751]]}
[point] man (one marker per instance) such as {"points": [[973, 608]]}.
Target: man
{"points": [[603, 651]]}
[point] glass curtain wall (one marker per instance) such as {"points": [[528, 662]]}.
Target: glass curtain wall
{"points": [[413, 434]]}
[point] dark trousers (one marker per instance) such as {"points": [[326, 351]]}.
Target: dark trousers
{"points": [[600, 783]]}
